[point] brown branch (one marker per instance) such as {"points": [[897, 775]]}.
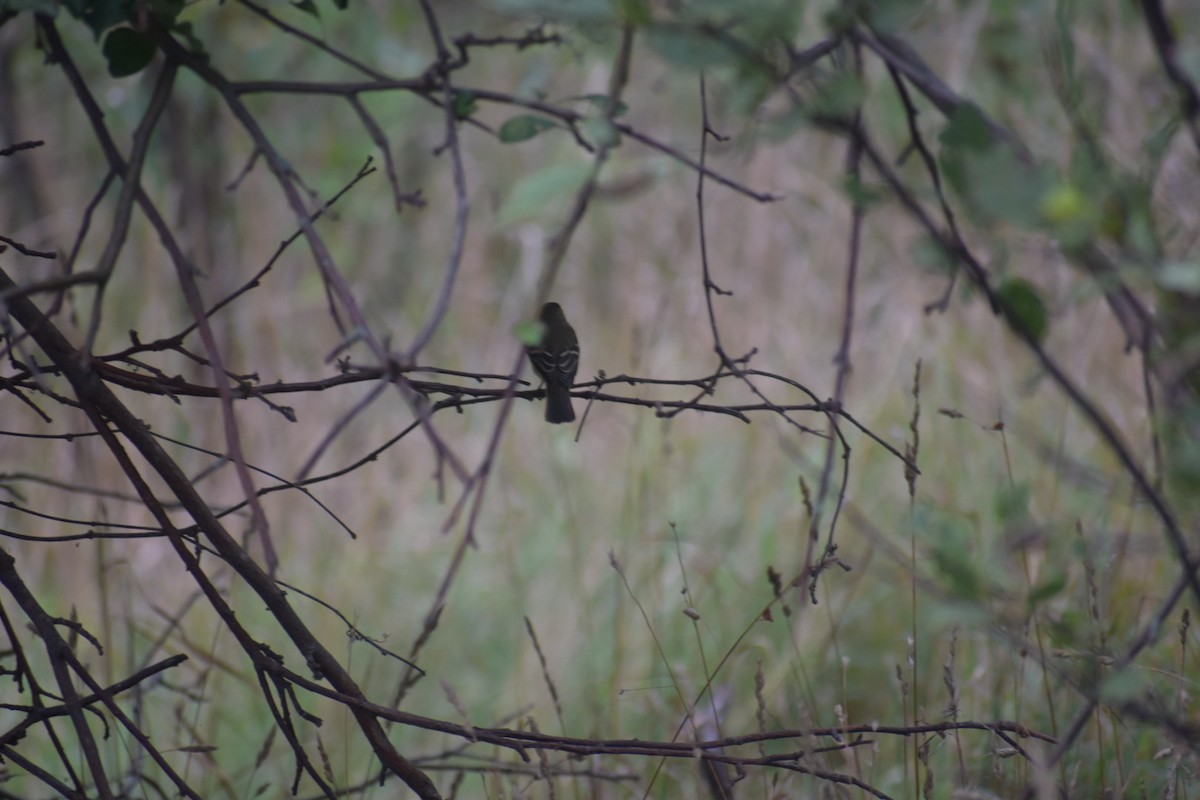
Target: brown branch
{"points": [[569, 117], [63, 662], [25, 250], [57, 652], [330, 273], [132, 191], [462, 206], [105, 409], [522, 740], [1164, 45], [35, 715]]}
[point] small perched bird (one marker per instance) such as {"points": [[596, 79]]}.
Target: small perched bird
{"points": [[556, 360]]}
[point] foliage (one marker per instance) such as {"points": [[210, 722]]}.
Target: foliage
{"points": [[269, 273]]}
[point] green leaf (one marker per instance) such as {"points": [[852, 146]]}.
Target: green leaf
{"points": [[308, 7], [750, 86], [534, 195], [167, 11], [1011, 504], [956, 565], [579, 11], [48, 7], [929, 254], [1064, 627], [863, 194], [1022, 306], [1004, 187], [1140, 232], [839, 20], [99, 15], [839, 97], [967, 129], [952, 553], [997, 184], [600, 132], [1180, 276], [782, 127], [688, 48], [524, 127], [185, 30], [1047, 589], [465, 104], [530, 332], [600, 101], [764, 24], [128, 52], [636, 12], [1183, 449], [1159, 140]]}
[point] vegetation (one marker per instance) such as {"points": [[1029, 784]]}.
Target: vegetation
{"points": [[884, 477]]}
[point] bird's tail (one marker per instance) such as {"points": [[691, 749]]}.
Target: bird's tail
{"points": [[558, 404]]}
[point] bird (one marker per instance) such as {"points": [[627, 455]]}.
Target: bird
{"points": [[556, 359]]}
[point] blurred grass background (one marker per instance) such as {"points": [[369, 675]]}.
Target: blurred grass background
{"points": [[702, 501]]}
